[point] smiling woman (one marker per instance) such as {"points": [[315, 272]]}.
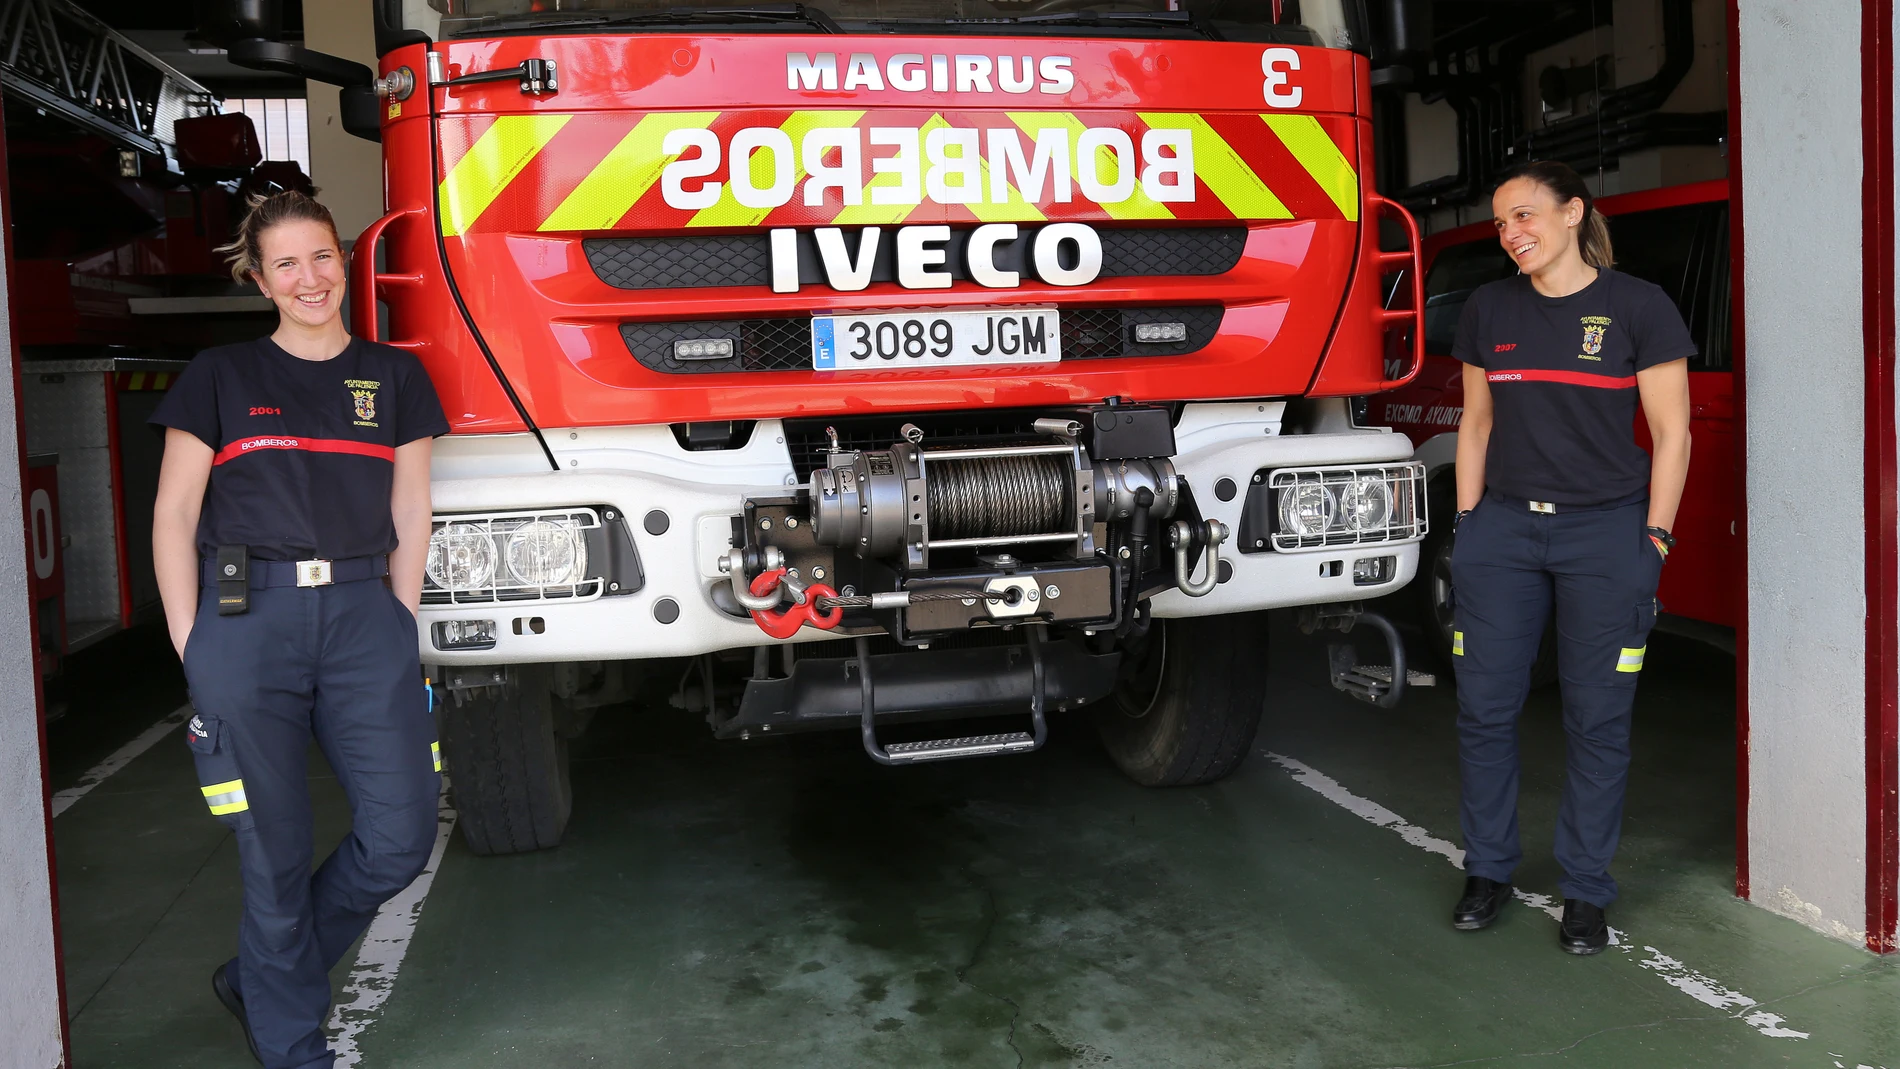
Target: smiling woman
{"points": [[1567, 516], [289, 538]]}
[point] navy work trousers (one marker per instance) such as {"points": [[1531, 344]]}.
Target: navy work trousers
{"points": [[337, 664], [1510, 566]]}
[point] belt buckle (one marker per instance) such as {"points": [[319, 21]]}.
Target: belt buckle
{"points": [[1543, 506], [313, 573]]}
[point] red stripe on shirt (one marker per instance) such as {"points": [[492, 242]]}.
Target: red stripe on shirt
{"points": [[309, 445], [1573, 378]]}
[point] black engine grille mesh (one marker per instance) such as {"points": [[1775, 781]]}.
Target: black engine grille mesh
{"points": [[746, 259], [784, 344]]}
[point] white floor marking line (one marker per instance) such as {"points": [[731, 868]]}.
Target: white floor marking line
{"points": [[63, 800], [373, 977], [1674, 973]]}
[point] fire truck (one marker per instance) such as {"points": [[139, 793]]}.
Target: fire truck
{"points": [[922, 369]]}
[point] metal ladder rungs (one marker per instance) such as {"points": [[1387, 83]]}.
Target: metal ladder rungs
{"points": [[967, 746]]}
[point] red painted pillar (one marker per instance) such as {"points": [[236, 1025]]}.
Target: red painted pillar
{"points": [[1882, 518]]}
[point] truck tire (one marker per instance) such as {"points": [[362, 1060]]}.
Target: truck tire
{"points": [[1188, 700], [1434, 605], [507, 766]]}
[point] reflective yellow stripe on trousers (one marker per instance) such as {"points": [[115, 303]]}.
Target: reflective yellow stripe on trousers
{"points": [[1630, 660], [226, 797]]}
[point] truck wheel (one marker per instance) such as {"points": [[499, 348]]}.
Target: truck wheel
{"points": [[1434, 606], [507, 766], [1188, 700]]}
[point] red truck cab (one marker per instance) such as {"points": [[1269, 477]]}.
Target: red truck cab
{"points": [[1676, 237]]}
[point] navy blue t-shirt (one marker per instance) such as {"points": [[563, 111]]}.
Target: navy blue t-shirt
{"points": [[1562, 372], [306, 449]]}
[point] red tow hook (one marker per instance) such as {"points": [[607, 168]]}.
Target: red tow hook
{"points": [[786, 624]]}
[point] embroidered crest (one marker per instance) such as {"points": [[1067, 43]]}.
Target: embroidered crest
{"points": [[1592, 340], [366, 403]]}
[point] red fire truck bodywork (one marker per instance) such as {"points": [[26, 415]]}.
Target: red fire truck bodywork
{"points": [[523, 179]]}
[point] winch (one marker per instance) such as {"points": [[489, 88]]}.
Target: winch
{"points": [[1056, 527]]}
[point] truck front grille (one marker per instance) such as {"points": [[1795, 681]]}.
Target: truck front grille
{"points": [[746, 259], [784, 344]]}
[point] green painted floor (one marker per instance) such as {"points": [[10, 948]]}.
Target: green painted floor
{"points": [[791, 904]]}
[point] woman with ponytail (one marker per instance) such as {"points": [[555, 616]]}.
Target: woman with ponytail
{"points": [[1559, 510], [289, 538]]}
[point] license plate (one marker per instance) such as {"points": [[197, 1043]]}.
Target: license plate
{"points": [[924, 339]]}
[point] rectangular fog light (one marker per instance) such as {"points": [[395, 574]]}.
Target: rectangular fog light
{"points": [[1160, 333], [465, 634], [702, 349], [1368, 571]]}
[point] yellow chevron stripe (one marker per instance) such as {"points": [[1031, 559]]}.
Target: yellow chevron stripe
{"points": [[1306, 139], [869, 214], [624, 175], [490, 164], [1137, 206], [1223, 170], [729, 212]]}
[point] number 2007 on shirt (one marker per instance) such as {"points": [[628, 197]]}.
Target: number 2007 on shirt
{"points": [[912, 339]]}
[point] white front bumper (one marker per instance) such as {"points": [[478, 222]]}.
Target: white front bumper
{"points": [[641, 470]]}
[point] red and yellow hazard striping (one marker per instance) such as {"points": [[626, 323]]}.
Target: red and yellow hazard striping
{"points": [[597, 171]]}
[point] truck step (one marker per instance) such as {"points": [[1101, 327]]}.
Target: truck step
{"points": [[1413, 677], [967, 746]]}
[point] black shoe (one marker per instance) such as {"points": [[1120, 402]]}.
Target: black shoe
{"points": [[221, 986], [1584, 931], [1480, 905]]}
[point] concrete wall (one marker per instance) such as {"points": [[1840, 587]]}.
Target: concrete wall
{"points": [[1801, 169], [30, 1025], [348, 170]]}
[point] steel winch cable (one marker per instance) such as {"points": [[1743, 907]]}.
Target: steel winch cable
{"points": [[843, 601], [980, 497]]}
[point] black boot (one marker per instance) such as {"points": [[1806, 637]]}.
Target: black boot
{"points": [[227, 993], [1480, 905], [1584, 931]]}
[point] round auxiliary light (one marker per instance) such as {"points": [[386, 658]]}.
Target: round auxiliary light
{"points": [[545, 553], [1365, 504], [461, 557], [1306, 509]]}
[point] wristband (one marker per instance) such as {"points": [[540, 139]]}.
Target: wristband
{"points": [[1458, 519], [1661, 539]]}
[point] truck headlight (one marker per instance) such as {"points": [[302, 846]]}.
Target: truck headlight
{"points": [[1307, 509], [547, 552], [461, 557], [524, 556], [1315, 508], [1365, 504]]}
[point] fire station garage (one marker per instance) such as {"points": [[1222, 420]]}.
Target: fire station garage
{"points": [[1090, 696]]}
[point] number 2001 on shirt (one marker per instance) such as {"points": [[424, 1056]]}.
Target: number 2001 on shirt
{"points": [[911, 339]]}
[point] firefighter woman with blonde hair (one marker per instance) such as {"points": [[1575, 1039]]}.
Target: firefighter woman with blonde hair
{"points": [[1559, 510], [289, 537]]}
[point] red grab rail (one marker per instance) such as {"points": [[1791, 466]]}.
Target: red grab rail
{"points": [[1411, 258]]}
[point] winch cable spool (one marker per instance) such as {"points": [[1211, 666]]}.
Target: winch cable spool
{"points": [[977, 497]]}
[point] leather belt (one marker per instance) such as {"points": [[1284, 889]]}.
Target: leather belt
{"points": [[270, 573]]}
